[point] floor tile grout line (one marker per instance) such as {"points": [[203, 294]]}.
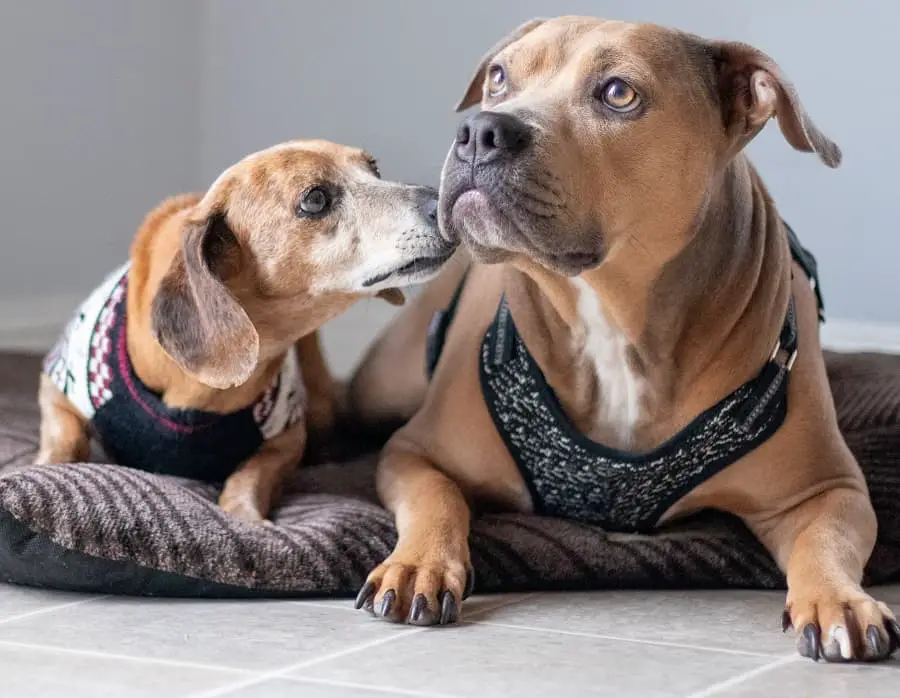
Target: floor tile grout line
{"points": [[617, 638], [49, 609], [337, 654], [96, 654], [393, 690], [284, 671], [745, 676]]}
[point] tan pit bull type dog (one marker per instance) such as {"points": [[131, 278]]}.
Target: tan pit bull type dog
{"points": [[200, 357], [635, 343]]}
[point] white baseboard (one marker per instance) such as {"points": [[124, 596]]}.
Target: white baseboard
{"points": [[851, 335], [34, 324]]}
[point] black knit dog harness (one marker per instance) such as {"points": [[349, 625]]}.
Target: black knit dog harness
{"points": [[571, 476]]}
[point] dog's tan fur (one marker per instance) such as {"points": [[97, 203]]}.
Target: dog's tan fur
{"points": [[693, 281], [249, 277]]}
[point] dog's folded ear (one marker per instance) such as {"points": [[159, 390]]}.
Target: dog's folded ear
{"points": [[753, 90], [474, 91], [195, 317]]}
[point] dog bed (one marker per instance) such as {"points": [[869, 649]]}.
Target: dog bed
{"points": [[107, 529]]}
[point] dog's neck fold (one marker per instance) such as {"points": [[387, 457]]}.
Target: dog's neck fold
{"points": [[652, 343]]}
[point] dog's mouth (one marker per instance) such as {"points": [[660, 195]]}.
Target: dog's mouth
{"points": [[419, 269], [490, 232]]}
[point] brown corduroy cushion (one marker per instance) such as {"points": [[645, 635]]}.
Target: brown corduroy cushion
{"points": [[108, 529]]}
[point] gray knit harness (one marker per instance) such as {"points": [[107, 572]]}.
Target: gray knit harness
{"points": [[571, 476]]}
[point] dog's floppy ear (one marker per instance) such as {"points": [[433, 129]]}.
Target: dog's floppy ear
{"points": [[473, 93], [194, 316], [754, 89]]}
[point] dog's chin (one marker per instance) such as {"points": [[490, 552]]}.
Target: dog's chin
{"points": [[492, 238], [479, 224], [414, 270]]}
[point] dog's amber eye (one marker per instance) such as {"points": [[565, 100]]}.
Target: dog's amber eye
{"points": [[315, 202], [619, 96], [496, 81]]}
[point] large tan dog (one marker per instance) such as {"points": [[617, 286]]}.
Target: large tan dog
{"points": [[650, 280], [186, 360]]}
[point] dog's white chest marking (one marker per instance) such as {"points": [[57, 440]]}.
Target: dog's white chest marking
{"points": [[605, 347]]}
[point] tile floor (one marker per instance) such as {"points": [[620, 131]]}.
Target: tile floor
{"points": [[628, 644]]}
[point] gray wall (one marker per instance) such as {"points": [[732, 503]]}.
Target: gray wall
{"points": [[99, 121], [109, 105]]}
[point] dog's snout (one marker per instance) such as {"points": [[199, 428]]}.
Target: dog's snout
{"points": [[486, 135]]}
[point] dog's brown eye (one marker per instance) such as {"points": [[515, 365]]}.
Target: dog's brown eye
{"points": [[315, 202], [496, 81], [619, 96]]}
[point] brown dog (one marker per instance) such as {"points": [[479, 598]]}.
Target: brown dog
{"points": [[186, 360], [652, 331]]}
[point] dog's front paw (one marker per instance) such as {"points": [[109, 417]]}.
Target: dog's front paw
{"points": [[243, 508], [418, 591], [841, 625]]}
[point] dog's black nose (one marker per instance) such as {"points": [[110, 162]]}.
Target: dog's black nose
{"points": [[487, 135], [429, 203], [431, 209]]}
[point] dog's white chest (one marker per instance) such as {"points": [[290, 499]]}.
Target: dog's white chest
{"points": [[605, 348]]}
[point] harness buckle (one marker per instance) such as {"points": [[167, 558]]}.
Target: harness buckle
{"points": [[789, 362]]}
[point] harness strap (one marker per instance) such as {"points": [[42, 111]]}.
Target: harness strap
{"points": [[807, 261], [438, 327], [775, 373]]}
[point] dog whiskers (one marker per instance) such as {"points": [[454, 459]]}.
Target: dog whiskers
{"points": [[550, 208], [553, 191]]}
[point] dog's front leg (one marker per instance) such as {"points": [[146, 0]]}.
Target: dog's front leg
{"points": [[321, 388], [65, 433], [254, 488], [426, 577], [823, 545]]}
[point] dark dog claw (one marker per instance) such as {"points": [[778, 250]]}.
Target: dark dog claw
{"points": [[419, 604], [786, 621], [367, 590], [893, 629], [387, 602], [470, 583], [449, 609], [810, 643], [875, 642]]}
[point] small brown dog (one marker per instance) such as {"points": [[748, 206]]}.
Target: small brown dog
{"points": [[646, 349], [200, 357]]}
